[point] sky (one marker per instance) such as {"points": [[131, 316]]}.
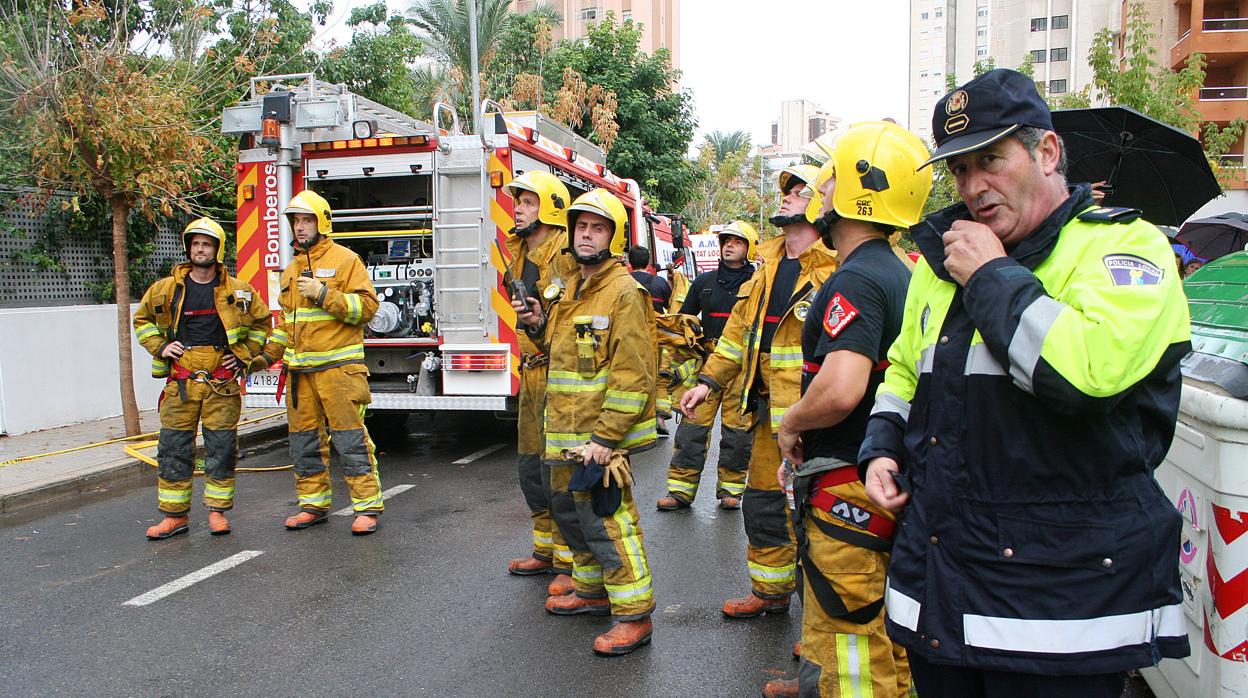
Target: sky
{"points": [[742, 58], [850, 57]]}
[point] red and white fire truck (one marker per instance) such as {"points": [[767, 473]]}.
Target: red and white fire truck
{"points": [[427, 209]]}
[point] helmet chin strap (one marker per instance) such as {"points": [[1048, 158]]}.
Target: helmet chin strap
{"points": [[824, 225], [781, 221], [526, 230], [595, 258]]}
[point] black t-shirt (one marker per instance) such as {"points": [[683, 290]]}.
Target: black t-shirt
{"points": [[660, 291], [782, 288], [200, 325], [712, 296], [858, 309]]}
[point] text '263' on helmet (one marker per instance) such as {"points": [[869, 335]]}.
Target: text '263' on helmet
{"points": [[603, 203], [876, 166], [803, 176], [552, 199], [745, 231], [309, 202], [209, 227]]}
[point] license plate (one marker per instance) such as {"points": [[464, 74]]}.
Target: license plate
{"points": [[264, 382]]}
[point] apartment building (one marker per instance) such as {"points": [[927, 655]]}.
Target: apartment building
{"points": [[661, 19]]}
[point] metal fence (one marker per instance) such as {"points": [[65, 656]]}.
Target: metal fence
{"points": [[26, 219]]}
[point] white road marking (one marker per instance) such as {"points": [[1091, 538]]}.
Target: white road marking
{"points": [[397, 489], [181, 583], [479, 454]]}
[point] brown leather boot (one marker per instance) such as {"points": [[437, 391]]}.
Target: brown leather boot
{"points": [[561, 585], [218, 525], [729, 503], [571, 605], [797, 650], [670, 503], [528, 566], [169, 527], [753, 605], [363, 525], [781, 688], [305, 519], [624, 637]]}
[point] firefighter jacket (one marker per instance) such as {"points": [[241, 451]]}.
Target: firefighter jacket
{"points": [[601, 383], [242, 312], [680, 340], [314, 337], [780, 371], [712, 296], [1028, 412], [542, 270]]}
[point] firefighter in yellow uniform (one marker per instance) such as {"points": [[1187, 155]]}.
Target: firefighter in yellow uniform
{"points": [[845, 539], [536, 249], [326, 299], [202, 327], [599, 409], [763, 340]]}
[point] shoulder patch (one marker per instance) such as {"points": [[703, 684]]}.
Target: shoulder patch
{"points": [[839, 313], [1130, 270], [1110, 214]]}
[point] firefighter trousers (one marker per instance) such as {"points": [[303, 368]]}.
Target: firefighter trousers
{"points": [[845, 649], [693, 439], [324, 406], [609, 556], [548, 544], [772, 554], [184, 406]]}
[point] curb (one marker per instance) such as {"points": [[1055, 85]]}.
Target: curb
{"points": [[122, 470]]}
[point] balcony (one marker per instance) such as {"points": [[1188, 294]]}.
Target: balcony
{"points": [[1222, 104], [1226, 38], [1234, 24], [1235, 175], [1217, 93]]}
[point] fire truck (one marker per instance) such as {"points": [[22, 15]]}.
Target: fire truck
{"points": [[426, 207]]}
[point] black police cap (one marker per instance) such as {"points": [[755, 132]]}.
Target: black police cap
{"points": [[985, 110]]}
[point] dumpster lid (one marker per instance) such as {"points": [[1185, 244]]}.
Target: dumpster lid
{"points": [[1217, 297]]}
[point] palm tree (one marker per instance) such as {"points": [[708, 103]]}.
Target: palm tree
{"points": [[443, 27], [725, 144]]}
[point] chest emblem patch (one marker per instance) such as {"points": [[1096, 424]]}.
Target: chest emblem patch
{"points": [[801, 309], [839, 314], [1129, 270]]}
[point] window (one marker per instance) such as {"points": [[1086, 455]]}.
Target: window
{"points": [[1057, 86], [923, 74], [981, 32], [923, 36], [1061, 21], [1057, 54], [981, 52], [588, 13], [981, 12], [923, 15], [938, 32], [923, 55], [940, 12], [1037, 56], [1039, 24]]}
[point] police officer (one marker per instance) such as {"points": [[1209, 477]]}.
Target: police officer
{"points": [[1032, 390], [712, 296], [762, 340], [202, 327], [870, 187]]}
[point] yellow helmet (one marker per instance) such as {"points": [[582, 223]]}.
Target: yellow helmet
{"points": [[605, 204], [879, 178], [209, 227], [745, 231], [804, 176], [552, 199], [308, 201]]}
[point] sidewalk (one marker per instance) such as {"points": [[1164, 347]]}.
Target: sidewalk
{"points": [[63, 475]]}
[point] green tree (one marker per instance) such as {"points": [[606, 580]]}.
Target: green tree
{"points": [[374, 63], [723, 144], [654, 117], [728, 189]]}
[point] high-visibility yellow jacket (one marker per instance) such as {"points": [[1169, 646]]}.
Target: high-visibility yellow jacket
{"points": [[539, 268], [604, 388], [738, 347], [243, 314], [311, 337]]}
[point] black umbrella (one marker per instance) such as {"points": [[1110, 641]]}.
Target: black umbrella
{"points": [[1215, 237], [1146, 164]]}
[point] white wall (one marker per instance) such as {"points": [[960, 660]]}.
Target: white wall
{"points": [[59, 366]]}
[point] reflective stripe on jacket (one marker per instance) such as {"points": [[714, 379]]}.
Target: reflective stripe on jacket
{"points": [[1028, 412], [242, 312]]}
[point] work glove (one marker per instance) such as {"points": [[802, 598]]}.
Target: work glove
{"points": [[618, 470], [310, 288]]}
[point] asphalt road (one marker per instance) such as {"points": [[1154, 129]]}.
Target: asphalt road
{"points": [[424, 607]]}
